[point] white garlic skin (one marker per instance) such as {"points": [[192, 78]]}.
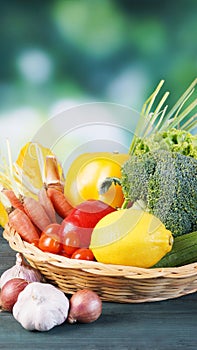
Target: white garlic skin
{"points": [[41, 306], [20, 270]]}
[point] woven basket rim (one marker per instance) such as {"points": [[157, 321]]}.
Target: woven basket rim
{"points": [[33, 253]]}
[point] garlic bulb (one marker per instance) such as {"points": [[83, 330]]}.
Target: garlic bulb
{"points": [[47, 307], [21, 270]]}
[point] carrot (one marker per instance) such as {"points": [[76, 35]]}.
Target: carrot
{"points": [[55, 189], [59, 201], [20, 222], [14, 200], [45, 201], [36, 213]]}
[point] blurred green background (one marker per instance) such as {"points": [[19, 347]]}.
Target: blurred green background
{"points": [[58, 53]]}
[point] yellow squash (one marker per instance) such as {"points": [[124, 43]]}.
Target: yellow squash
{"points": [[130, 237], [31, 164], [86, 174], [3, 216]]}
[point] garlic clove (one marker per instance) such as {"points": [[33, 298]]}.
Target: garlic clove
{"points": [[21, 270]]}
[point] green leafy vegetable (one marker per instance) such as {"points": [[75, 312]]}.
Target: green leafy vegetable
{"points": [[167, 183], [174, 140], [161, 174], [156, 120]]}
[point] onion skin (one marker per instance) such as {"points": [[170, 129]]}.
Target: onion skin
{"points": [[10, 291], [85, 307]]}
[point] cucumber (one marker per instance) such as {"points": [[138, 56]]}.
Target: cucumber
{"points": [[184, 251]]}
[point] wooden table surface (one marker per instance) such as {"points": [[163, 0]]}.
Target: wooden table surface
{"points": [[167, 325]]}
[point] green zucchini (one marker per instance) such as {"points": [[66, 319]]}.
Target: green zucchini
{"points": [[184, 251]]}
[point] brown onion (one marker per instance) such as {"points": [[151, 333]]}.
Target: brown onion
{"points": [[10, 292], [85, 307]]}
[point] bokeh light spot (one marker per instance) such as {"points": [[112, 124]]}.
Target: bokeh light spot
{"points": [[35, 66]]}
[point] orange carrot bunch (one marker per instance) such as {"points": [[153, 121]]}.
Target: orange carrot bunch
{"points": [[30, 216]]}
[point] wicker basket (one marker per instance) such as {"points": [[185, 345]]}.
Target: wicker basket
{"points": [[114, 283]]}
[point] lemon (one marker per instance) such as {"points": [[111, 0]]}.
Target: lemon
{"points": [[130, 237]]}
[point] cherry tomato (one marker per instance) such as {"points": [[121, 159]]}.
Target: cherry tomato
{"points": [[49, 244], [49, 240], [83, 254], [52, 230], [70, 242]]}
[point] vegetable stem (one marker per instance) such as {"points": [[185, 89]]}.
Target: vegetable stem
{"points": [[158, 120], [177, 119], [125, 203], [144, 117], [191, 123], [181, 99], [156, 113]]}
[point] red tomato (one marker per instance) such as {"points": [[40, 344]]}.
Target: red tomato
{"points": [[83, 254], [70, 242], [83, 219], [49, 240], [49, 244]]}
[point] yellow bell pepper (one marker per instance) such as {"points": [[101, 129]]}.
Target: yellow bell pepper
{"points": [[86, 174]]}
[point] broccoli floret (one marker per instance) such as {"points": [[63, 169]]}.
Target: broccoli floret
{"points": [[167, 183], [136, 173], [173, 140]]}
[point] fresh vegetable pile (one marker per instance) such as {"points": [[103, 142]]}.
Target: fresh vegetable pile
{"points": [[136, 209], [82, 213], [23, 289]]}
